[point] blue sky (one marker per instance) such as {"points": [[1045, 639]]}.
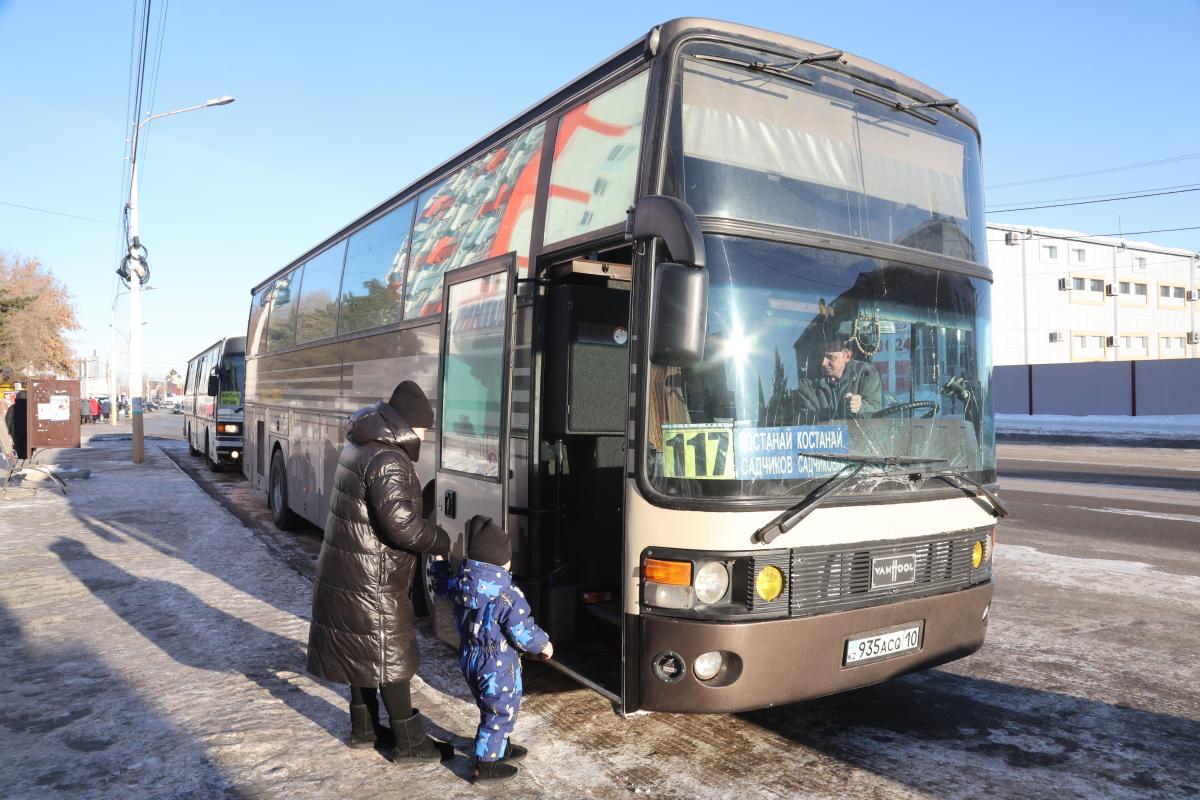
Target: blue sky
{"points": [[339, 105]]}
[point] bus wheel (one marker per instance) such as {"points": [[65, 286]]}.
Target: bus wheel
{"points": [[213, 464], [277, 498], [191, 447]]}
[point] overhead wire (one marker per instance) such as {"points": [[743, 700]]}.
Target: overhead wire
{"points": [[1103, 171], [1107, 199]]}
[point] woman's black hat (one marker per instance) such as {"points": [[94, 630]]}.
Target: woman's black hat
{"points": [[413, 405]]}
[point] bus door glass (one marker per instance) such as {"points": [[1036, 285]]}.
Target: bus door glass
{"points": [[472, 474]]}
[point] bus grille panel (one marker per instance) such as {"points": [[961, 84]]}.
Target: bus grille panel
{"points": [[839, 578]]}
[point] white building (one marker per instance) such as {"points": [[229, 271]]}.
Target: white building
{"points": [[1062, 296]]}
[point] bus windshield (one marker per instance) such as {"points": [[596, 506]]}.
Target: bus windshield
{"points": [[233, 379], [813, 353], [807, 147]]}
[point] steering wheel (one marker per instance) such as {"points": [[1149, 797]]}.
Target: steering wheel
{"points": [[910, 407]]}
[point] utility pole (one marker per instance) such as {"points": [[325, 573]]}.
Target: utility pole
{"points": [[138, 271]]}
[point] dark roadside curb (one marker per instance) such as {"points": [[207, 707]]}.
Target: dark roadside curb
{"points": [[1060, 438]]}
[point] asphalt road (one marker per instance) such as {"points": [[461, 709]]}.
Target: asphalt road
{"points": [[1085, 688]]}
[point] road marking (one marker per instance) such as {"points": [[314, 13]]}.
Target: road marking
{"points": [[1136, 513]]}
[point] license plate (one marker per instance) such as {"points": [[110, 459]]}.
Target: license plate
{"points": [[882, 645]]}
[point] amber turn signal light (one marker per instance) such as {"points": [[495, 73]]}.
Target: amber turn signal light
{"points": [[672, 573]]}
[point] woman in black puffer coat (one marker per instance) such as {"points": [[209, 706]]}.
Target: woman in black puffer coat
{"points": [[362, 630]]}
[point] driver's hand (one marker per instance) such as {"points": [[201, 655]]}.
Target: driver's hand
{"points": [[854, 402]]}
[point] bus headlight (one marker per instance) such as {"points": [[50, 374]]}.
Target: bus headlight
{"points": [[769, 583], [712, 582], [228, 427], [976, 555]]}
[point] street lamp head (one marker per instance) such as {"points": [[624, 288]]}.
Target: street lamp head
{"points": [[220, 101]]}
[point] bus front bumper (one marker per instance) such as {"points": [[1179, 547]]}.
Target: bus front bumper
{"points": [[787, 660], [229, 450]]}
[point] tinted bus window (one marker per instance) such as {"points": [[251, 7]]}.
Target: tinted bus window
{"points": [[281, 326], [316, 314], [483, 210], [596, 162], [373, 282]]}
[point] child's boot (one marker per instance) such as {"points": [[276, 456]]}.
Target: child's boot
{"points": [[493, 772], [413, 746], [513, 753]]}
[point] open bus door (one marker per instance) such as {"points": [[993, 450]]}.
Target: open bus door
{"points": [[473, 420]]}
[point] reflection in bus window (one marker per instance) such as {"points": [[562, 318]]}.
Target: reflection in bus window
{"points": [[281, 326], [473, 377], [373, 281], [596, 162], [257, 327], [483, 210], [318, 308]]}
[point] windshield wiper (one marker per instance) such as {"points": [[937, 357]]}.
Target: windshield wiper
{"points": [[792, 516], [759, 66], [999, 507]]}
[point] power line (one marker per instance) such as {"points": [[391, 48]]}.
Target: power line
{"points": [[1096, 171], [56, 213], [1083, 237], [1099, 196], [1112, 199]]}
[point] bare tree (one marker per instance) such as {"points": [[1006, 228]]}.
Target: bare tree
{"points": [[35, 316]]}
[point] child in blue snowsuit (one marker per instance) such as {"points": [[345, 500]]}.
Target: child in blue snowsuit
{"points": [[495, 625]]}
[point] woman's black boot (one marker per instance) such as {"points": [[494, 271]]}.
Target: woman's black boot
{"points": [[493, 772], [412, 745], [365, 730]]}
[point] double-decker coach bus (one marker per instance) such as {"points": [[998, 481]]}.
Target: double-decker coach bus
{"points": [[708, 332], [212, 403]]}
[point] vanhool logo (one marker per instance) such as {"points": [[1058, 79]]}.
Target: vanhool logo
{"points": [[893, 570]]}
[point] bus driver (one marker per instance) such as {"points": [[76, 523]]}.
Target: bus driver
{"points": [[846, 388]]}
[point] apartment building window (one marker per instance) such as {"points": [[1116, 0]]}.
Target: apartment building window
{"points": [[1097, 286], [1124, 287], [1164, 291], [1177, 292], [1139, 263], [1136, 344], [1080, 254], [1139, 289], [1078, 283], [1050, 252]]}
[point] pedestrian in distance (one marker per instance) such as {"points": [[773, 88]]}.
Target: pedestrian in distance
{"points": [[94, 408], [362, 630], [495, 625]]}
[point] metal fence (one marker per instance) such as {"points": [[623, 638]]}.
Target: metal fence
{"points": [[1133, 388]]}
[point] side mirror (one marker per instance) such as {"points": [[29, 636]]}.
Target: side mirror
{"points": [[214, 385], [679, 316], [671, 220]]}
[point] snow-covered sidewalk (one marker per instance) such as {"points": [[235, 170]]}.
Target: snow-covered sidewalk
{"points": [[152, 646], [1153, 431]]}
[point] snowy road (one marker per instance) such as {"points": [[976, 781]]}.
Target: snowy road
{"points": [[1085, 687]]}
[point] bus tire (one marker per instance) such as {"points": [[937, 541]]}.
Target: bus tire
{"points": [[191, 447], [277, 497]]}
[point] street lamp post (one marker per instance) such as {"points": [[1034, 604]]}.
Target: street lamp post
{"points": [[137, 254], [112, 361]]}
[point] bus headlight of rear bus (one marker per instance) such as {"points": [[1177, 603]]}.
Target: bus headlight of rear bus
{"points": [[229, 427]]}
